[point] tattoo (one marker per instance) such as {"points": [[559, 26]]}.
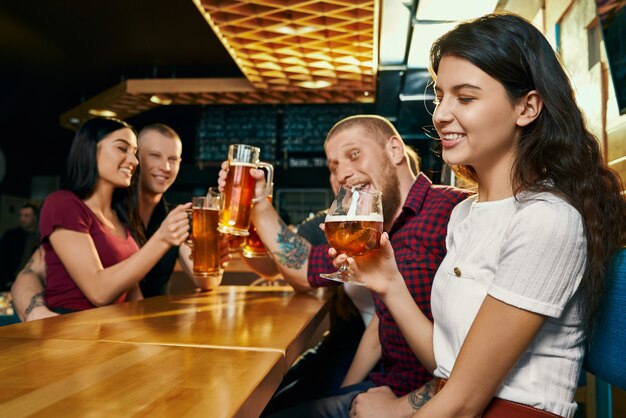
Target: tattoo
{"points": [[35, 301], [294, 250], [28, 269], [418, 398]]}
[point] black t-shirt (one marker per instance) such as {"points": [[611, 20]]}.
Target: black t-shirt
{"points": [[155, 282], [310, 230]]}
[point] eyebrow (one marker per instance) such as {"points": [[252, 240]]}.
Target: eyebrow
{"points": [[460, 87], [126, 142]]}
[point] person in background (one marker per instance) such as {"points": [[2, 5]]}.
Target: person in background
{"points": [[91, 256], [516, 294], [367, 150], [17, 245], [159, 154]]}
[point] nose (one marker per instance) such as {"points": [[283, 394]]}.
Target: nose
{"points": [[442, 113], [342, 173], [133, 159]]}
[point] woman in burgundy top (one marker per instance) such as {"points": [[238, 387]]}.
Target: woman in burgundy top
{"points": [[91, 257]]}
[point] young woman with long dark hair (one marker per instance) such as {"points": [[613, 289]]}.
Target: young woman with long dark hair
{"points": [[91, 256], [514, 299]]}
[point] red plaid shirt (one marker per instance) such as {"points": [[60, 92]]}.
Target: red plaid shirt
{"points": [[418, 238]]}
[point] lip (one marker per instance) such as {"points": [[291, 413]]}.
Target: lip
{"points": [[367, 187], [451, 139], [128, 171], [161, 178]]}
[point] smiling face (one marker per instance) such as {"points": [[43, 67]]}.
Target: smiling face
{"points": [[475, 119], [354, 159], [159, 158], [116, 156]]}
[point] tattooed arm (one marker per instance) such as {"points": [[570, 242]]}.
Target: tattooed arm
{"points": [[289, 250], [28, 290], [380, 401]]}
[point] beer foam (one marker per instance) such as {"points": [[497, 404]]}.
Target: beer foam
{"points": [[372, 217]]}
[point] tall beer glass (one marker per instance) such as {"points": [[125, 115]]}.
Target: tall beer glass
{"points": [[253, 246], [205, 239], [239, 190], [353, 226]]}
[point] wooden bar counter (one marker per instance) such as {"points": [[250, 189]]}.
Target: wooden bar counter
{"points": [[169, 355], [69, 378]]}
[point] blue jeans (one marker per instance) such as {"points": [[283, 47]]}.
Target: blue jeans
{"points": [[336, 406]]}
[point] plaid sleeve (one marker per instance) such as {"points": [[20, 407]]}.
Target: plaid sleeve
{"points": [[320, 262]]}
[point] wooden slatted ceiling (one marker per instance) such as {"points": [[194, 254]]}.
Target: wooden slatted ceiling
{"points": [[283, 47], [286, 44]]}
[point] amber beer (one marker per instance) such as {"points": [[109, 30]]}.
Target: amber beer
{"points": [[355, 235], [206, 241], [253, 246], [239, 189], [238, 194]]}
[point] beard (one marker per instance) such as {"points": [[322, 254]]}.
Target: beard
{"points": [[391, 193]]}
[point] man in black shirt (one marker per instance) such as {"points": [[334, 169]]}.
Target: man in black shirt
{"points": [[17, 245]]}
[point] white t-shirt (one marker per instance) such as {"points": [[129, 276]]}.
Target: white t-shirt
{"points": [[362, 298], [529, 253]]}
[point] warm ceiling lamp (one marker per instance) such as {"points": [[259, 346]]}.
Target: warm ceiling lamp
{"points": [[104, 113], [318, 84], [161, 99]]}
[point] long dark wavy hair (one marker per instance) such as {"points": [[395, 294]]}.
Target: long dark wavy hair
{"points": [[82, 164], [556, 152]]}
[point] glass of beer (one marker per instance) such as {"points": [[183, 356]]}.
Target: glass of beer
{"points": [[353, 226], [253, 246], [239, 189], [205, 239]]}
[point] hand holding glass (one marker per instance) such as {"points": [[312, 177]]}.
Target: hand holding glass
{"points": [[239, 189], [205, 239], [353, 226]]}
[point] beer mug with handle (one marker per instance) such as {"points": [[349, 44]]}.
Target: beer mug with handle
{"points": [[239, 189], [205, 239], [353, 226]]}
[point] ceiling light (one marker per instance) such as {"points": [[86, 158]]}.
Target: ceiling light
{"points": [[451, 10], [294, 30], [161, 99], [423, 37], [105, 113], [394, 32], [74, 121], [319, 84]]}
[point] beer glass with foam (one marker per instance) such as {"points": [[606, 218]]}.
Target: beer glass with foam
{"points": [[353, 226], [205, 239], [239, 189]]}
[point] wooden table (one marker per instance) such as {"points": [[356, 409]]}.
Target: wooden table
{"points": [[237, 317], [219, 335], [69, 378]]}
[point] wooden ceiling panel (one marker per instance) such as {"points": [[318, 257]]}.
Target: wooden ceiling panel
{"points": [[340, 33], [290, 51]]}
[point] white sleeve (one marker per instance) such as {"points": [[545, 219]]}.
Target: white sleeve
{"points": [[543, 258]]}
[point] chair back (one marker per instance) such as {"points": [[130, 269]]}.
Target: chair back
{"points": [[606, 355]]}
